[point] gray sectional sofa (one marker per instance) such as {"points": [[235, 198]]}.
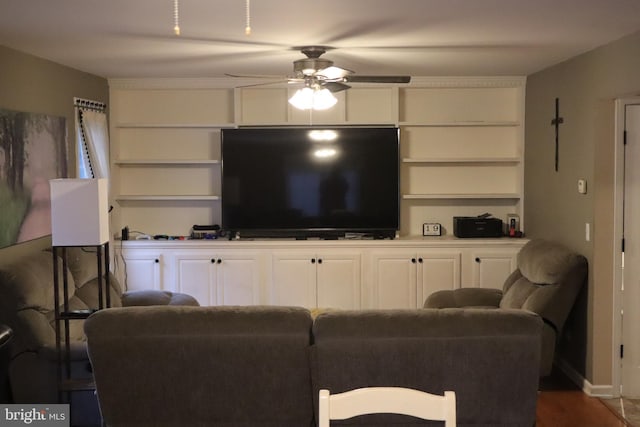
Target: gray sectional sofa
{"points": [[264, 366]]}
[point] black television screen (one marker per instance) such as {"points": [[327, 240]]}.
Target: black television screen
{"points": [[310, 182]]}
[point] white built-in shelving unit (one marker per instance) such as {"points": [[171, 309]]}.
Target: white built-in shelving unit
{"points": [[461, 148]]}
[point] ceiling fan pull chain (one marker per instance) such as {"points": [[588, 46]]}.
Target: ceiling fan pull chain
{"points": [[247, 28], [176, 27]]}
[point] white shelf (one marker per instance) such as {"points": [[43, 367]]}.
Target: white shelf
{"points": [[461, 124], [160, 162], [175, 125], [123, 197], [476, 160], [445, 196]]}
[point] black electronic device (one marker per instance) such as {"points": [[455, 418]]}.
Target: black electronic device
{"points": [[310, 181], [477, 226], [205, 231]]}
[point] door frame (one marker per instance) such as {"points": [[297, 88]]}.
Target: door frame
{"points": [[618, 234]]}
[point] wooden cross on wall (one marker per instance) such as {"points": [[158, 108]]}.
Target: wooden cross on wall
{"points": [[557, 121]]}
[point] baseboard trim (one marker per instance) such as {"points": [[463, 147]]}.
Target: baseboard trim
{"points": [[595, 390]]}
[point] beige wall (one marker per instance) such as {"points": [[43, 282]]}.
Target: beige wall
{"points": [[35, 85], [587, 86]]}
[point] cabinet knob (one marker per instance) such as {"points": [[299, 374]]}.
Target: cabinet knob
{"points": [[319, 260], [156, 260], [213, 261], [477, 259], [420, 260], [219, 261], [313, 260], [413, 260]]}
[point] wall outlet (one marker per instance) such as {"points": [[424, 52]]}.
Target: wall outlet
{"points": [[431, 229]]}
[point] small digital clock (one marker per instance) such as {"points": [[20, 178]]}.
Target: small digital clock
{"points": [[431, 229]]}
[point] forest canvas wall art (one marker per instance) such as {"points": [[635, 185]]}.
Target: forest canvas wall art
{"points": [[33, 150]]}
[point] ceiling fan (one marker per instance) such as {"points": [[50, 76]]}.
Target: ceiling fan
{"points": [[317, 72]]}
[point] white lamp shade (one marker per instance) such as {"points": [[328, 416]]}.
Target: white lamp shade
{"points": [[79, 212], [317, 99]]}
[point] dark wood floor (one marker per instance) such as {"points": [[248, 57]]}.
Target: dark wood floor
{"points": [[573, 408], [562, 404]]}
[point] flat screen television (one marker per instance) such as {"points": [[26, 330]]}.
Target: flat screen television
{"points": [[325, 182]]}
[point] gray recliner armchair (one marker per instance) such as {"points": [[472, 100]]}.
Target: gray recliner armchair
{"points": [[27, 307], [547, 281]]}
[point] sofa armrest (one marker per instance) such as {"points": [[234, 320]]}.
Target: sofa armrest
{"points": [[464, 297], [155, 297]]}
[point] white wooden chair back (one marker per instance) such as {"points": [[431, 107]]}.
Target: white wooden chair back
{"points": [[393, 400]]}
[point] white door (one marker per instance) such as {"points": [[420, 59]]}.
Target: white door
{"points": [[293, 279], [492, 267], [142, 270], [238, 278], [437, 270], [338, 280], [630, 377], [196, 276], [394, 279], [220, 278]]}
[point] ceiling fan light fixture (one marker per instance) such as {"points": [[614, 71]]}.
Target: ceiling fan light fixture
{"points": [[313, 99], [310, 66], [323, 99]]}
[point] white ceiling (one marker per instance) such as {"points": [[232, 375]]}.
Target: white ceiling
{"points": [[134, 38]]}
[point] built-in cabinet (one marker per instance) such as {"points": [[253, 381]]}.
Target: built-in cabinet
{"points": [[341, 274], [461, 154], [461, 144], [315, 278], [489, 267], [403, 278], [218, 277], [143, 268]]}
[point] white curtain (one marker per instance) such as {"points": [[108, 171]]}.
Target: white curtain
{"points": [[93, 152]]}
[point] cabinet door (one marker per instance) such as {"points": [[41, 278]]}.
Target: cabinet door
{"points": [[437, 271], [490, 267], [338, 280], [238, 278], [142, 270], [222, 278], [293, 279], [394, 280], [196, 276]]}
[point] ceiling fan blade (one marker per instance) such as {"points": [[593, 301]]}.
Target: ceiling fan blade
{"points": [[256, 76], [377, 79], [335, 86], [262, 84], [333, 72]]}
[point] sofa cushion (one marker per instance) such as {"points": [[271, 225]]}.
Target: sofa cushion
{"points": [[517, 294], [27, 301], [87, 293], [545, 262], [225, 366], [490, 358], [29, 283], [82, 263], [156, 297]]}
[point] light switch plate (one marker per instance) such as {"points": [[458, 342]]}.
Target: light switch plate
{"points": [[431, 229]]}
